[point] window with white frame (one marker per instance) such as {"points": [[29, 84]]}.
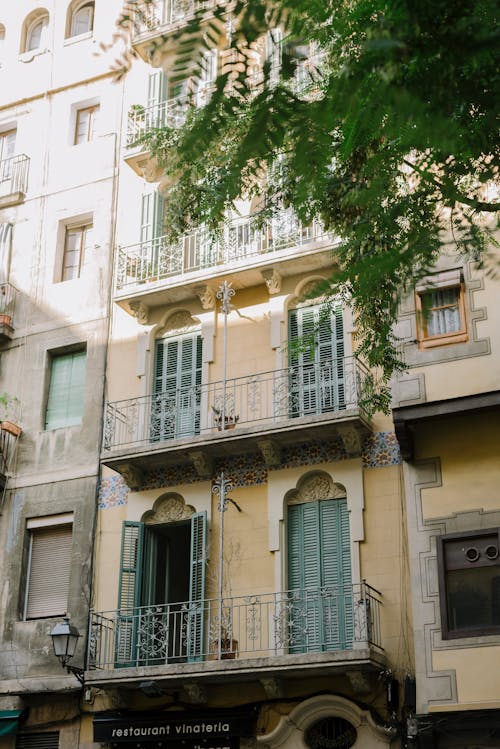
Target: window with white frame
{"points": [[440, 306], [48, 566], [76, 240], [66, 389], [85, 124], [35, 30], [81, 19]]}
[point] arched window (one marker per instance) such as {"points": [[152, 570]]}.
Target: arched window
{"points": [[34, 31], [2, 38], [81, 19]]}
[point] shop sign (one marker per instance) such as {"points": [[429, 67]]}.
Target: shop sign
{"points": [[210, 731]]}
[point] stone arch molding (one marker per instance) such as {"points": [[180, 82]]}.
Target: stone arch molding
{"points": [[168, 508], [313, 487], [176, 323], [289, 733]]}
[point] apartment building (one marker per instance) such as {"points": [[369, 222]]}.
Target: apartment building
{"points": [[446, 419], [59, 148], [251, 578]]}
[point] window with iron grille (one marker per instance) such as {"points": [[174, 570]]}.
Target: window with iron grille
{"points": [[38, 740]]}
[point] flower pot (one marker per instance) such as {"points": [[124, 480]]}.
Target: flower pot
{"points": [[6, 320], [229, 425], [229, 649], [11, 428]]}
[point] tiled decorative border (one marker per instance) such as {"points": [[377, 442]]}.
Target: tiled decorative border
{"points": [[379, 450]]}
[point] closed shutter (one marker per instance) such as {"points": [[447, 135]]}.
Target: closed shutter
{"points": [[274, 52], [317, 376], [319, 576], [38, 740], [177, 376], [66, 390], [48, 573], [152, 212], [157, 95], [129, 592], [195, 642]]}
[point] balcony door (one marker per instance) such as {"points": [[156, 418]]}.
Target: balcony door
{"points": [[7, 149], [175, 409], [319, 576], [316, 360], [161, 592]]}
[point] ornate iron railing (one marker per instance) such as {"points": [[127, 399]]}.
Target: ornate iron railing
{"points": [[255, 626], [260, 399], [14, 175], [238, 241], [168, 13], [169, 113]]}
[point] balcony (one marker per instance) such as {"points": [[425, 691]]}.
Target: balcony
{"points": [[142, 120], [297, 632], [260, 412], [163, 16], [13, 179], [158, 271], [7, 303]]}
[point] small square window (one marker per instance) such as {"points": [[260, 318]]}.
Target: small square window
{"points": [[85, 124], [469, 577], [66, 390], [441, 311], [76, 239], [49, 565]]}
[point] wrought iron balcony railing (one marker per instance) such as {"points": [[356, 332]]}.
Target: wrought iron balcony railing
{"points": [[291, 622], [161, 13], [240, 240], [14, 175], [170, 113], [267, 399]]}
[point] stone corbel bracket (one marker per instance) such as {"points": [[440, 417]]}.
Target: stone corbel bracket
{"points": [[272, 280], [140, 311], [352, 439], [132, 475], [271, 452], [203, 464], [206, 295]]}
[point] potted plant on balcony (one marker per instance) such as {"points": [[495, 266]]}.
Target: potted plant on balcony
{"points": [[9, 408], [223, 644], [5, 311], [230, 419]]}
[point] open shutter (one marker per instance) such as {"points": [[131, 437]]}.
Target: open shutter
{"points": [[196, 614], [129, 592]]}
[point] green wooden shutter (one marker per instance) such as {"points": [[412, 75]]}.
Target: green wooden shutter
{"points": [[66, 390], [176, 404], [319, 576], [317, 378], [196, 614], [152, 212], [336, 575], [129, 592]]}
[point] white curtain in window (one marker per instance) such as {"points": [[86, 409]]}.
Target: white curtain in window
{"points": [[444, 315], [82, 20], [5, 251]]}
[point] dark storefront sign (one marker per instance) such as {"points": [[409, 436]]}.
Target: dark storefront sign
{"points": [[217, 730]]}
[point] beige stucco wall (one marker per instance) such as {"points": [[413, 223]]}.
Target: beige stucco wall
{"points": [[478, 681]]}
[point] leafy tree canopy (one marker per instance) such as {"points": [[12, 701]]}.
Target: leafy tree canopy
{"points": [[394, 142]]}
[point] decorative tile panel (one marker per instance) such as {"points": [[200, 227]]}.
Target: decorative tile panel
{"points": [[379, 450]]}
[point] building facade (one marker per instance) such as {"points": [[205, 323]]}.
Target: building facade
{"points": [[59, 129], [250, 555]]}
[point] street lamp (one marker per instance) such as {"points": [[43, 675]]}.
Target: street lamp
{"points": [[64, 641]]}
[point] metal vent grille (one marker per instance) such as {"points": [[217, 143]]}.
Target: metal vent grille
{"points": [[38, 740]]}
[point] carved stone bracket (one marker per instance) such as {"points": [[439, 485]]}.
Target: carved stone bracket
{"points": [[351, 439], [272, 279], [271, 452], [206, 295], [140, 311], [132, 475], [196, 693], [272, 687], [203, 464]]}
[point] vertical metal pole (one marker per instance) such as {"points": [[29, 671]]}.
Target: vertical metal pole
{"points": [[224, 294], [221, 488]]}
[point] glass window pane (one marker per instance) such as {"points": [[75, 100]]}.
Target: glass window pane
{"points": [[82, 20], [66, 390], [34, 40]]}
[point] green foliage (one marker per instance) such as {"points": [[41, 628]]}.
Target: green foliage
{"points": [[393, 145]]}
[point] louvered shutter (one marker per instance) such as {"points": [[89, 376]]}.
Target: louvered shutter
{"points": [[317, 378], [304, 575], [176, 403], [45, 740], [49, 571], [336, 574], [157, 95], [196, 614], [208, 76], [66, 390], [274, 48], [129, 592]]}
